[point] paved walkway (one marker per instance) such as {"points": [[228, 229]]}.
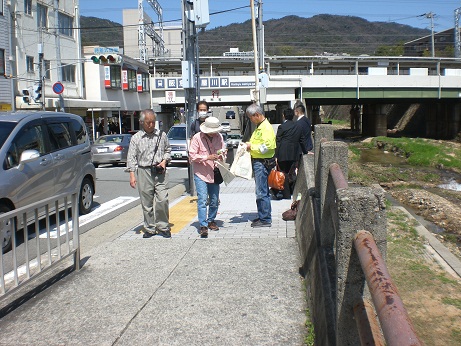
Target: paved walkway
{"points": [[240, 286]]}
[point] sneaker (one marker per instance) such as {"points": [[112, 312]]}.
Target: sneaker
{"points": [[260, 223], [203, 232], [255, 220], [213, 226], [148, 234], [164, 234]]}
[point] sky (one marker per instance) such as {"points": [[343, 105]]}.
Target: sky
{"points": [[408, 12]]}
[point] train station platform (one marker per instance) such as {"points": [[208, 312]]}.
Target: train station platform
{"points": [[239, 286]]}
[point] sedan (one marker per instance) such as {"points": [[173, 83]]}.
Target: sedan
{"points": [[234, 140], [110, 149], [225, 126]]}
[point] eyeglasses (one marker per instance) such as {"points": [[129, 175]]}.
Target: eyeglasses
{"points": [[149, 122]]}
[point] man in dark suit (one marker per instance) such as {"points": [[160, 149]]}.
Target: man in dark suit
{"points": [[290, 144], [304, 124]]}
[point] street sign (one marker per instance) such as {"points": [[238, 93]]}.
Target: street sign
{"points": [[58, 88]]}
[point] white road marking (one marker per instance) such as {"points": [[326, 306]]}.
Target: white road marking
{"points": [[96, 213]]}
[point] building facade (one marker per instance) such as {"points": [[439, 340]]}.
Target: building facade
{"points": [[6, 81]]}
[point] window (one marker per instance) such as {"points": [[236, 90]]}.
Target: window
{"points": [[2, 62], [145, 82], [68, 73], [65, 24], [42, 13], [30, 64], [115, 77], [29, 138], [1, 7], [59, 136], [131, 80], [47, 73], [80, 131], [28, 7]]}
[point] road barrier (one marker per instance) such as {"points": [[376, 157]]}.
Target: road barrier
{"points": [[29, 260], [330, 219]]}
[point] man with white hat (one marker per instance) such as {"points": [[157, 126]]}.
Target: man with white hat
{"points": [[202, 114], [205, 148]]}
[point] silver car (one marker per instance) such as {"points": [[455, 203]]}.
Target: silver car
{"points": [[178, 143], [111, 149], [43, 154], [233, 140]]}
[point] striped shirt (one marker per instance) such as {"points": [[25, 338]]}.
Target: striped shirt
{"points": [[142, 148]]}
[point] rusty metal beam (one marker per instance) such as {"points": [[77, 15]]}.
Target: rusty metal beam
{"points": [[367, 324], [338, 177], [395, 322]]}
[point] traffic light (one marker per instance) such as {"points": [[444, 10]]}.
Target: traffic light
{"points": [[151, 65], [37, 92], [106, 59], [25, 96]]}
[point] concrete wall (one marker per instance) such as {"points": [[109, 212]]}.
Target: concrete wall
{"points": [[328, 219]]}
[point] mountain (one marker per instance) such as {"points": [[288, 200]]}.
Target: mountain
{"points": [[100, 32], [291, 35]]}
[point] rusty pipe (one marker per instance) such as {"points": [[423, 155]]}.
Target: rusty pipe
{"points": [[338, 177], [395, 322]]}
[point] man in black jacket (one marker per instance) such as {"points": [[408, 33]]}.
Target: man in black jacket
{"points": [[291, 144], [304, 124]]}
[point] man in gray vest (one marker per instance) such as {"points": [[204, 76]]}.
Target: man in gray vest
{"points": [[148, 156]]}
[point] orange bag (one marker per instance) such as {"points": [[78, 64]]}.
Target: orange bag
{"points": [[276, 178]]}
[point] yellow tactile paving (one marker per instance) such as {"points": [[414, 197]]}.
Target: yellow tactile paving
{"points": [[182, 213]]}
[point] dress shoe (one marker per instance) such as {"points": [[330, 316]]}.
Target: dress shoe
{"points": [[148, 234], [203, 232], [213, 226], [260, 223], [164, 234]]}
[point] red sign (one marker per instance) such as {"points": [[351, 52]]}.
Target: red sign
{"points": [[124, 80], [107, 76], [58, 88]]}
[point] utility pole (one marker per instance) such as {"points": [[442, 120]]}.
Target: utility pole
{"points": [[431, 16], [58, 50], [261, 36], [195, 15], [255, 50], [456, 33]]}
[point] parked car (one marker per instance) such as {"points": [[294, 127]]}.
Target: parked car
{"points": [[178, 143], [225, 126], [233, 140], [230, 115], [43, 154], [110, 149]]}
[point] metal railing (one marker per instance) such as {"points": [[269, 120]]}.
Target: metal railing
{"points": [[24, 263]]}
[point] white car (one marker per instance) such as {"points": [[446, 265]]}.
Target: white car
{"points": [[233, 140], [225, 127]]}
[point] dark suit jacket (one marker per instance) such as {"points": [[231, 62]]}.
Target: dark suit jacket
{"points": [[306, 129], [290, 141]]}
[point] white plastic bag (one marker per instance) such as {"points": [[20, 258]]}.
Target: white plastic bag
{"points": [[225, 172], [241, 167]]}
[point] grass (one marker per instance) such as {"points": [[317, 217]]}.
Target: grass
{"points": [[423, 152], [423, 286]]}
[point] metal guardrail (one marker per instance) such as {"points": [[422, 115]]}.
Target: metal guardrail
{"points": [[393, 317], [31, 266], [395, 322]]}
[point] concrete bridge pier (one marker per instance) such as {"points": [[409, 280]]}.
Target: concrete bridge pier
{"points": [[443, 120], [374, 120]]}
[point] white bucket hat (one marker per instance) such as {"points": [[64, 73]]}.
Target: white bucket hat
{"points": [[210, 125]]}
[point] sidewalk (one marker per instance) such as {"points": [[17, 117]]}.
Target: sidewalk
{"points": [[238, 287]]}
